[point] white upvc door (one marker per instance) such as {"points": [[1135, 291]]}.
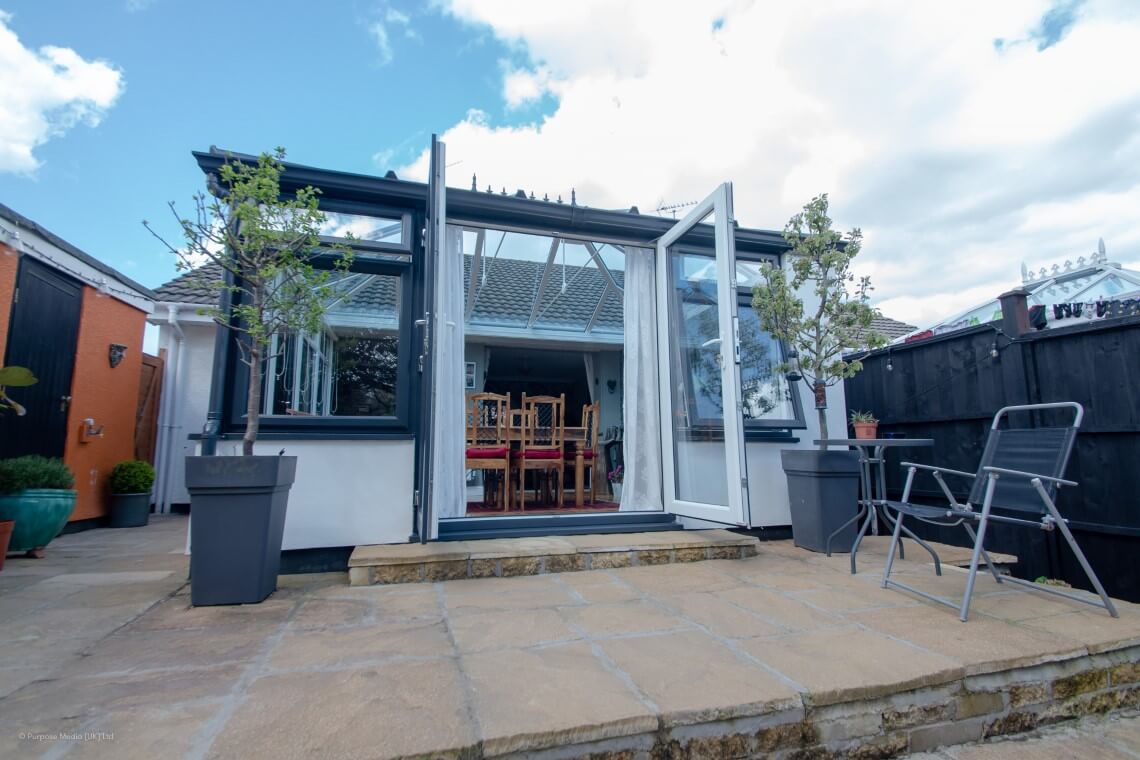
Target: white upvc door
{"points": [[702, 426]]}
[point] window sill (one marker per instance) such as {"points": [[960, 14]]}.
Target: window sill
{"points": [[756, 436]]}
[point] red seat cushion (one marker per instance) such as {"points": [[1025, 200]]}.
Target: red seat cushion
{"points": [[476, 452], [538, 454], [586, 454]]}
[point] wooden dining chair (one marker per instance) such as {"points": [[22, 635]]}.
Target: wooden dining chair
{"points": [[591, 415], [543, 436], [488, 439]]}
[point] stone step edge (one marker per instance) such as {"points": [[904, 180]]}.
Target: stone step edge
{"points": [[883, 723], [462, 565]]}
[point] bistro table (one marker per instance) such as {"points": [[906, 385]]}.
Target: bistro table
{"points": [[873, 496]]}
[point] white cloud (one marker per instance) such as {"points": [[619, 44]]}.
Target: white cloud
{"points": [[382, 27], [44, 93], [379, 34], [521, 86], [959, 160]]}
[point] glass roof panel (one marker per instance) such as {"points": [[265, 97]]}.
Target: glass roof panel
{"points": [[539, 282]]}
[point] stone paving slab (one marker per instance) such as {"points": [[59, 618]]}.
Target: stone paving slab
{"points": [[784, 653]]}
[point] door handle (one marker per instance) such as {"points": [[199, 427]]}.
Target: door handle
{"points": [[64, 402]]}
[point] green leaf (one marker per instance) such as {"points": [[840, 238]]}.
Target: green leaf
{"points": [[16, 377]]}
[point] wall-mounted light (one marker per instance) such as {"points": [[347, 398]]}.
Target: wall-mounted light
{"points": [[993, 350], [611, 385], [793, 374], [115, 354], [88, 430]]}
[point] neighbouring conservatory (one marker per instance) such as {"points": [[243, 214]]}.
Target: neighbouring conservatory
{"points": [[513, 366]]}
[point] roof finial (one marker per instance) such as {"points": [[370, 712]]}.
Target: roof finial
{"points": [[573, 197], [1024, 273], [560, 198], [474, 187]]}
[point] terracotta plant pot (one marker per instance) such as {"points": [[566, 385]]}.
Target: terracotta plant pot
{"points": [[6, 527], [865, 430]]}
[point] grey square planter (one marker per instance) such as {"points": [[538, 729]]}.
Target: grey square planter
{"points": [[823, 491], [237, 521]]}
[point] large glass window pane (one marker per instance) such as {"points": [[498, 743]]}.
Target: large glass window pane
{"points": [[765, 392], [379, 229], [348, 369]]}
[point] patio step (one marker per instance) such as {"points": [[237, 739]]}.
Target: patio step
{"points": [[503, 557]]}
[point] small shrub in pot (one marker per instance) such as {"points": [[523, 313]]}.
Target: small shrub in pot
{"points": [[36, 492], [132, 476], [130, 483]]}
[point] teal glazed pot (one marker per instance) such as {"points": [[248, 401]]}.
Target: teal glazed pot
{"points": [[40, 514]]}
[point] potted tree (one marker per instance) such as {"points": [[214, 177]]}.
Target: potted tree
{"points": [[266, 244], [14, 377], [130, 484], [35, 492], [823, 485]]}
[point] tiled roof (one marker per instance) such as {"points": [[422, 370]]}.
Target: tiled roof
{"points": [[504, 298], [507, 294], [192, 287], [891, 328]]}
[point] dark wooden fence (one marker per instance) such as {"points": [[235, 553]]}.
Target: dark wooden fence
{"points": [[948, 388]]}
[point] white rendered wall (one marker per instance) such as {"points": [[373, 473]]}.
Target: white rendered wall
{"points": [[191, 397], [347, 493]]}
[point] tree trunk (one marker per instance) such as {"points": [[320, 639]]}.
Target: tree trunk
{"points": [[253, 402], [820, 391]]}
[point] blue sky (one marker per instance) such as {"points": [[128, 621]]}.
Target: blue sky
{"points": [[963, 138], [245, 76]]}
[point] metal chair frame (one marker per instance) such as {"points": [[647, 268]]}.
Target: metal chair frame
{"points": [[965, 514]]}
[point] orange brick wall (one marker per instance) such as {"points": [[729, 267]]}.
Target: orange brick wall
{"points": [[109, 396], [9, 261]]}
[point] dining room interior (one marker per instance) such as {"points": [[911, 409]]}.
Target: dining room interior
{"points": [[543, 373]]}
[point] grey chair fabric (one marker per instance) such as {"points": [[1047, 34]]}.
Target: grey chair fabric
{"points": [[1016, 483], [1043, 451]]}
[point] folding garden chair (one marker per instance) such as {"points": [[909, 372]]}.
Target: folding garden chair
{"points": [[1020, 473]]}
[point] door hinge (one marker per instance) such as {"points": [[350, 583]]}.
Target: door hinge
{"points": [[416, 498], [744, 483], [16, 296]]}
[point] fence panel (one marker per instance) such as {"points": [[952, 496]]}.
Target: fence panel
{"points": [[949, 387]]}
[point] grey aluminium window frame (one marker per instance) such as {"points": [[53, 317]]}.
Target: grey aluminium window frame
{"points": [[399, 425]]}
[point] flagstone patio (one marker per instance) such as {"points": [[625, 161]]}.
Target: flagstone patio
{"points": [[783, 653]]}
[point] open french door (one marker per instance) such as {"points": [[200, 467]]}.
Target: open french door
{"points": [[432, 376], [702, 426]]}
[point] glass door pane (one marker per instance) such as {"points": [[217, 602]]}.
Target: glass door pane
{"points": [[695, 364], [703, 446]]}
